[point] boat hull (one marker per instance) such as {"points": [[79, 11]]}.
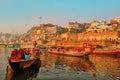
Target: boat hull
{"points": [[23, 64], [107, 52], [71, 51]]}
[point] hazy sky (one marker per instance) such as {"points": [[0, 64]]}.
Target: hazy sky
{"points": [[20, 15]]}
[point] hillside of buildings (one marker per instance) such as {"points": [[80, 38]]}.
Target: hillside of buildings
{"points": [[96, 32], [8, 38], [75, 33]]}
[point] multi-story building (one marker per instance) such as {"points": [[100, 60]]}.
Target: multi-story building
{"points": [[117, 19], [75, 27], [98, 26]]}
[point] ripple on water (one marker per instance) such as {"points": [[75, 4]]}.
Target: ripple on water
{"points": [[60, 74], [2, 71], [2, 74]]}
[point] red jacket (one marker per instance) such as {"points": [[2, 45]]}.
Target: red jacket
{"points": [[13, 54]]}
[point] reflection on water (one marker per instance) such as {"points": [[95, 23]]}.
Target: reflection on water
{"points": [[69, 63], [59, 67], [107, 65], [3, 53], [98, 66], [106, 62]]}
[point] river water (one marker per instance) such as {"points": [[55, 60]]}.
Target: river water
{"points": [[59, 67]]}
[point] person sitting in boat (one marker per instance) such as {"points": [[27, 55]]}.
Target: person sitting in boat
{"points": [[35, 44], [13, 54], [35, 53], [27, 54], [17, 54], [38, 53], [21, 53]]}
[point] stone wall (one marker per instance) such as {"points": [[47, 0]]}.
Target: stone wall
{"points": [[74, 39], [98, 36]]}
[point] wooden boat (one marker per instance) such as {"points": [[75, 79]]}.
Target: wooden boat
{"points": [[23, 64], [13, 46], [10, 46], [26, 74], [107, 51], [71, 51], [2, 46]]}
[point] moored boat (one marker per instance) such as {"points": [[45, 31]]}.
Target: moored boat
{"points": [[107, 51], [10, 46], [13, 46], [2, 46], [72, 51]]}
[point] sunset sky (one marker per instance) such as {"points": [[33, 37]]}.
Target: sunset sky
{"points": [[20, 15]]}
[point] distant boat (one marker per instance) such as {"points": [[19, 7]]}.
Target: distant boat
{"points": [[107, 51], [2, 46], [13, 46], [10, 46], [71, 51], [17, 46]]}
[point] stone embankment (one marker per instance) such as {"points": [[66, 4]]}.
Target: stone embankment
{"points": [[110, 44], [27, 46]]}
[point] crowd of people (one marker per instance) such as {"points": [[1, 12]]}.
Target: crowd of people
{"points": [[25, 53]]}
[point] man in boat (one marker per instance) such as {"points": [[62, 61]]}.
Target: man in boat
{"points": [[35, 44], [27, 53], [35, 53], [13, 54], [20, 52], [16, 54]]}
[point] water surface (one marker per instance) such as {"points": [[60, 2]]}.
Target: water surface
{"points": [[59, 67]]}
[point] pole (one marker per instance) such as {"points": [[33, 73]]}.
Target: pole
{"points": [[40, 19]]}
